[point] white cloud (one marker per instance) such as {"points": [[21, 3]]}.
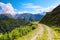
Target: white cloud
{"points": [[35, 8], [21, 12], [7, 8], [30, 5], [39, 9]]}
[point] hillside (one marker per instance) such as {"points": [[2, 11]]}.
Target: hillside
{"points": [[52, 18], [8, 24]]}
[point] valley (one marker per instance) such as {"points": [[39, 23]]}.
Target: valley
{"points": [[35, 23]]}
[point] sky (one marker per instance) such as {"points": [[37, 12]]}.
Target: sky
{"points": [[27, 6]]}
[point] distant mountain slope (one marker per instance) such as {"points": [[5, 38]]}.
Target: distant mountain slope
{"points": [[5, 16], [52, 18], [29, 17]]}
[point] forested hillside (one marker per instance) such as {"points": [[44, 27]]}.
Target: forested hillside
{"points": [[52, 18], [8, 24]]}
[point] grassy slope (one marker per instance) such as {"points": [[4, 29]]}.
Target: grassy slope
{"points": [[21, 33], [28, 36], [52, 18]]}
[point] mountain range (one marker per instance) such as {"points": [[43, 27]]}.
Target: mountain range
{"points": [[29, 17], [24, 16]]}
